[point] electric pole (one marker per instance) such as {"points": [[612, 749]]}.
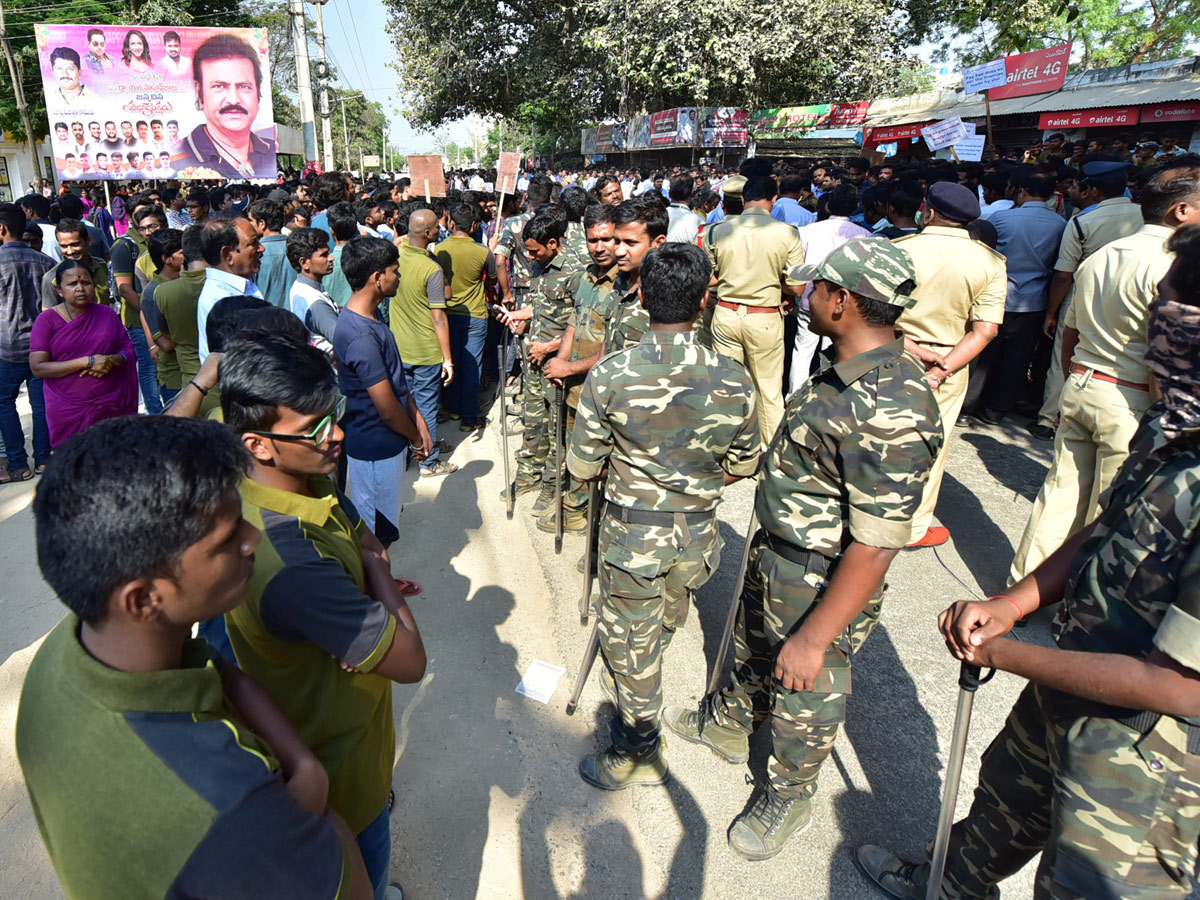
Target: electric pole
{"points": [[323, 75], [22, 107], [303, 79]]}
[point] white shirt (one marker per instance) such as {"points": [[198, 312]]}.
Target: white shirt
{"points": [[219, 284], [987, 210], [683, 225], [475, 183]]}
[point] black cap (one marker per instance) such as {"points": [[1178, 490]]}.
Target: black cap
{"points": [[953, 201]]}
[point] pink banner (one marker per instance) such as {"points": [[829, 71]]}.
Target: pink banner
{"points": [[153, 102]]}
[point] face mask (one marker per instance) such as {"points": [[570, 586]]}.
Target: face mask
{"points": [[1173, 355]]}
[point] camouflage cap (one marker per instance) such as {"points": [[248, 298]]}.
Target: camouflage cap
{"points": [[868, 266]]}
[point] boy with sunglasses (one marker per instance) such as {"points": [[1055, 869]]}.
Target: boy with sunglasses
{"points": [[324, 627]]}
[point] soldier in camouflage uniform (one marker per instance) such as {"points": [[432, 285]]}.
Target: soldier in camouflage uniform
{"points": [[557, 274], [515, 268], [641, 226], [843, 479], [1098, 764], [574, 200], [583, 345], [674, 422]]}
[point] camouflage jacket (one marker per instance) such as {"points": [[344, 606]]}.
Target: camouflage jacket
{"points": [[671, 417], [1134, 585], [589, 317], [511, 246], [858, 443], [552, 294], [628, 320], [577, 239]]}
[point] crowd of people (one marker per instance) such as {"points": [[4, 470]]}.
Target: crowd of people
{"points": [[821, 329]]}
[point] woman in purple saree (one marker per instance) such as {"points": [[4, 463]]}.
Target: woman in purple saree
{"points": [[82, 352]]}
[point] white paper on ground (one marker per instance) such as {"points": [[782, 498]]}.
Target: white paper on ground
{"points": [[540, 680]]}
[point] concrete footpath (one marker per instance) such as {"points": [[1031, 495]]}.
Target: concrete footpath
{"points": [[488, 801]]}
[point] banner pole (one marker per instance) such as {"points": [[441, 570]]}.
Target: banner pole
{"points": [[987, 111]]}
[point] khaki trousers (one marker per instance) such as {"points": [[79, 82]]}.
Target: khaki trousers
{"points": [[1098, 421], [950, 397], [756, 341]]}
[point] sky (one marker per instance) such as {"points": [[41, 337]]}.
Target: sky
{"points": [[356, 42]]}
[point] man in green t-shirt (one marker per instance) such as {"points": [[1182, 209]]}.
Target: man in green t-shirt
{"points": [[130, 279], [324, 627], [177, 303], [152, 770], [166, 254], [470, 270], [417, 316]]}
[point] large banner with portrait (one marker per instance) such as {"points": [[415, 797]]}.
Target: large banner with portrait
{"points": [[130, 102]]}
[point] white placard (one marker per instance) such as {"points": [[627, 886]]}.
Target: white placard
{"points": [[970, 127], [944, 133], [970, 149], [540, 680], [981, 78]]}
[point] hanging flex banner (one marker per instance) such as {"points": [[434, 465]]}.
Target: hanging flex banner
{"points": [[130, 102]]}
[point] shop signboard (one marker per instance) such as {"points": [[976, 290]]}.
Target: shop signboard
{"points": [[587, 141], [843, 115], [888, 133], [1036, 72], [1186, 111], [789, 121], [1089, 118]]}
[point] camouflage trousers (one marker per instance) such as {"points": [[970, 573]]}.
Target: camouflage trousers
{"points": [[533, 456], [575, 495], [647, 576], [1114, 811], [777, 597]]}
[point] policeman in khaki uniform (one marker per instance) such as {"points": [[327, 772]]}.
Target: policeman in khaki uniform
{"points": [[751, 256], [1098, 765], [835, 504], [674, 422], [1108, 216], [583, 345], [1107, 388], [961, 288]]}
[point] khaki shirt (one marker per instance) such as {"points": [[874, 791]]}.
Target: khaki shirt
{"points": [[751, 255], [1087, 232], [959, 281], [1113, 291]]}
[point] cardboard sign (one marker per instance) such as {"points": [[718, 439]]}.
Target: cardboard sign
{"points": [[506, 171], [1038, 72], [428, 179], [942, 134], [989, 75]]}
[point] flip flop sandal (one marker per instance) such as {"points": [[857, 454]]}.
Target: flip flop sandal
{"points": [[20, 475], [438, 468], [407, 588]]}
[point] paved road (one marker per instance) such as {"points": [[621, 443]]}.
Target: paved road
{"points": [[489, 804]]}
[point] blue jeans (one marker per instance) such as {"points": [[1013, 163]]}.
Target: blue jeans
{"points": [[12, 376], [167, 394], [375, 844], [425, 382], [147, 371], [467, 336]]}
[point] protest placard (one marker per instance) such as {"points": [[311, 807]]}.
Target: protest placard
{"points": [[980, 78], [944, 133], [506, 172], [426, 175]]}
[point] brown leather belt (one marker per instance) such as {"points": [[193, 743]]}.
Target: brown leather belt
{"points": [[1079, 369], [750, 309]]}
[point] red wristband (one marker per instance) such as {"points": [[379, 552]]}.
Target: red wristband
{"points": [[1020, 612]]}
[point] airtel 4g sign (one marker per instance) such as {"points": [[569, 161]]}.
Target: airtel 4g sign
{"points": [[1037, 72]]}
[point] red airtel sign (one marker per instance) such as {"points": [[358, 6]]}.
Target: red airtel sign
{"points": [[1037, 72], [1089, 118]]}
